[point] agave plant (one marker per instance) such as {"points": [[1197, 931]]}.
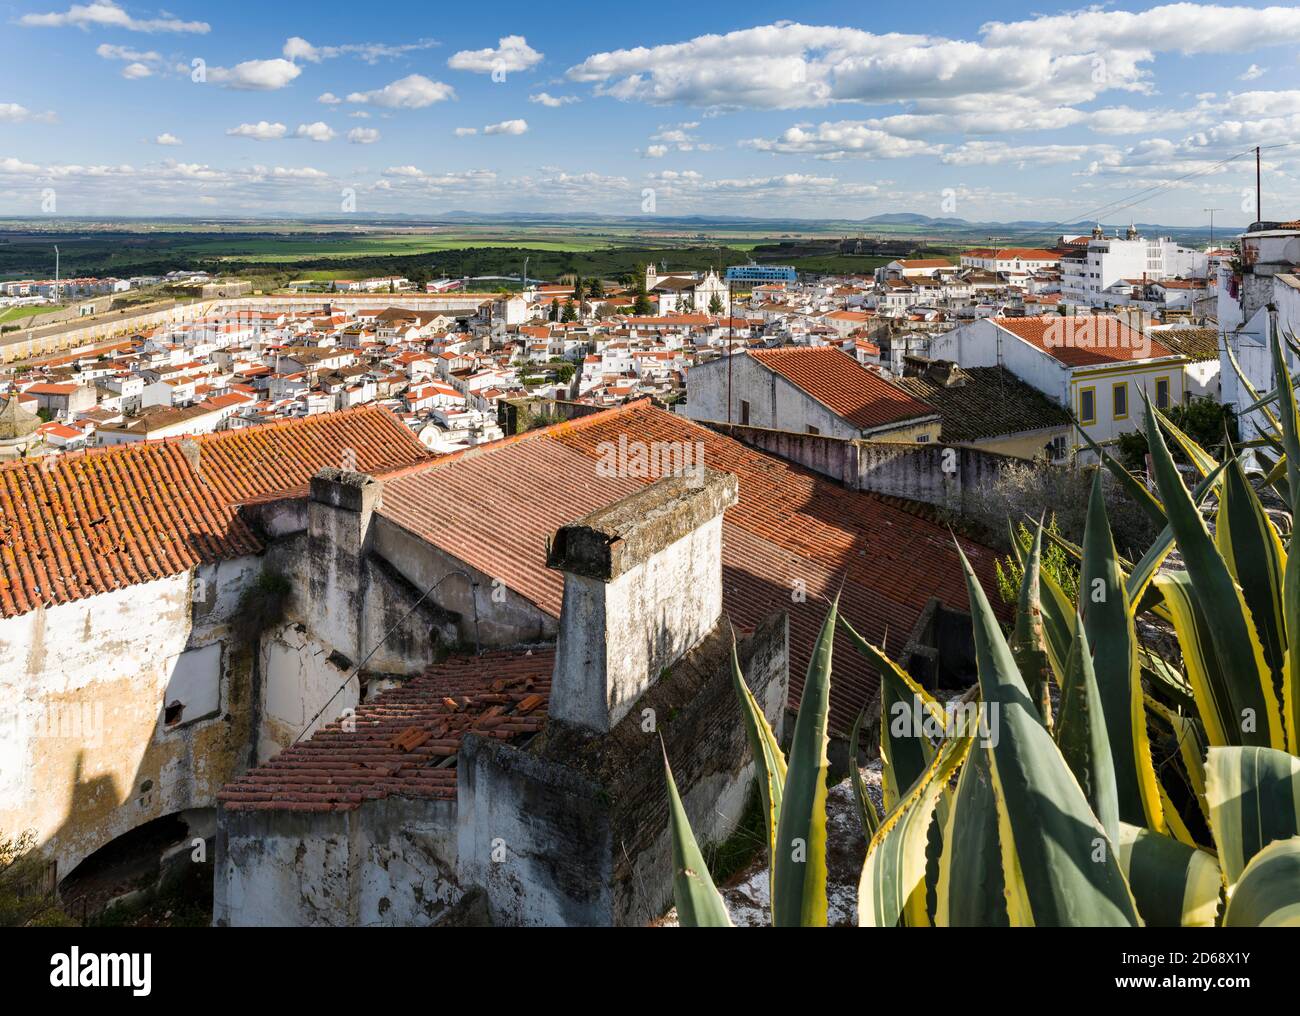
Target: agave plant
{"points": [[1053, 811]]}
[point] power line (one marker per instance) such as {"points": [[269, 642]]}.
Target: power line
{"points": [[384, 638], [1149, 192]]}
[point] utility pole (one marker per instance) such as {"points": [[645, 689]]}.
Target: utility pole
{"points": [[1211, 211], [731, 338], [1259, 215]]}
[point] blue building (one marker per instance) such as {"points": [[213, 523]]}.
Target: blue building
{"points": [[761, 273]]}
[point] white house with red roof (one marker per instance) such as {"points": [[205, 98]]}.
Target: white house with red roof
{"points": [[1095, 365], [807, 390]]}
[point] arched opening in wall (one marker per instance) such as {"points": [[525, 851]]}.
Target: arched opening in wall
{"points": [[157, 874]]}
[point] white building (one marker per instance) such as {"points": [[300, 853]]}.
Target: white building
{"points": [[1087, 273]]}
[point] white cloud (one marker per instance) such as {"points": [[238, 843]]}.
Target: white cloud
{"points": [[135, 71], [786, 66], [16, 167], [256, 75], [465, 132], [414, 91], [842, 139], [107, 14], [507, 127], [318, 131], [553, 101], [260, 131], [166, 138], [997, 153], [512, 54], [298, 48], [655, 152], [328, 98], [12, 112], [1252, 72], [363, 135], [1177, 27]]}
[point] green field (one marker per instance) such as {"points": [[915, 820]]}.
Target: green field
{"points": [[11, 314], [273, 254]]}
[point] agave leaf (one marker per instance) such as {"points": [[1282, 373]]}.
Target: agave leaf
{"points": [[1060, 867], [1028, 643], [904, 707], [799, 855], [1191, 749], [1290, 418], [1136, 488], [1108, 624], [1231, 632], [1082, 735], [1253, 551], [1268, 893], [1250, 388], [1175, 885], [699, 904], [1140, 575], [769, 761], [1056, 612], [1202, 461], [893, 873], [1254, 799], [970, 892], [867, 814]]}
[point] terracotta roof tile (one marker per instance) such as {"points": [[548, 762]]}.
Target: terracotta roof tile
{"points": [[276, 459], [1084, 340], [405, 742], [494, 507], [104, 519], [844, 386]]}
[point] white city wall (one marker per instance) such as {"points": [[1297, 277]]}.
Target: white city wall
{"points": [[84, 752]]}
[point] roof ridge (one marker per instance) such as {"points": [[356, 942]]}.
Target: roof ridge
{"points": [[564, 426]]}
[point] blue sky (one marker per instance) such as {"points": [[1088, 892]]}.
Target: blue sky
{"points": [[1006, 112]]}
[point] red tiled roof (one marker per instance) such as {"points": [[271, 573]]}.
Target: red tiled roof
{"points": [[105, 519], [494, 507], [402, 740], [275, 459], [842, 385], [1084, 341]]}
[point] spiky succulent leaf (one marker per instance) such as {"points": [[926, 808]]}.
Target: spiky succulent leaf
{"points": [[1108, 623], [1082, 736], [866, 807], [971, 892], [1175, 885], [1060, 867], [1253, 551], [769, 760], [699, 904], [1268, 892], [893, 873], [1230, 631], [1254, 799], [799, 855], [1028, 642]]}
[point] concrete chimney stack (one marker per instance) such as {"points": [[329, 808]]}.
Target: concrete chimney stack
{"points": [[642, 586]]}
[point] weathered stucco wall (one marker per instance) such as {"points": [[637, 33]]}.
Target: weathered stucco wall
{"points": [[85, 751], [573, 829], [942, 475], [505, 619], [390, 863]]}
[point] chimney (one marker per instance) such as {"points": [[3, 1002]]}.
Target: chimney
{"points": [[339, 512], [642, 586]]}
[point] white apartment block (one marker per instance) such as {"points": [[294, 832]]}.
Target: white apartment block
{"points": [[1087, 274]]}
